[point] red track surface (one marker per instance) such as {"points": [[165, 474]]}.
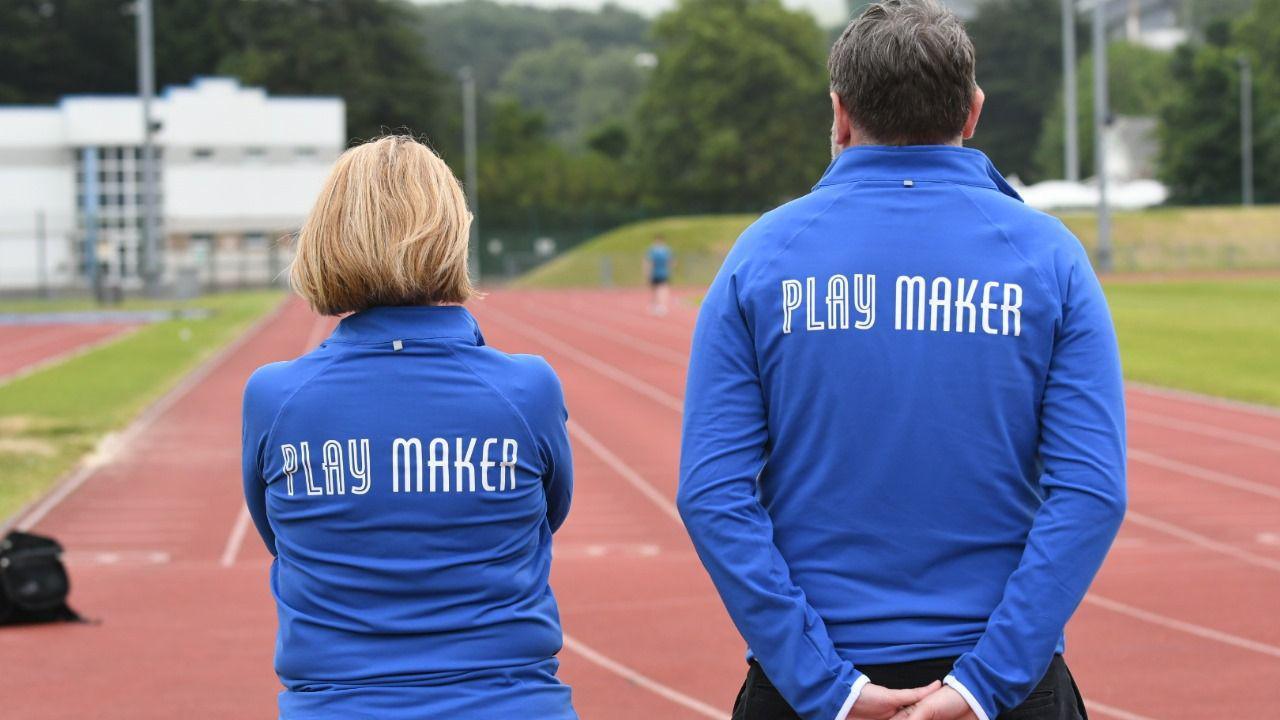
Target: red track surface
{"points": [[1181, 624], [27, 347]]}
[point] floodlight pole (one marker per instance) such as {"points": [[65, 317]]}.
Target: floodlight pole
{"points": [[150, 264], [467, 76], [1246, 130], [1101, 117], [1071, 143]]}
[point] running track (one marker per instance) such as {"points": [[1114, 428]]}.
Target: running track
{"points": [[1180, 625], [27, 348]]}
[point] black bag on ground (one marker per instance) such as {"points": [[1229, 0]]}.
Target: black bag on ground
{"points": [[33, 581]]}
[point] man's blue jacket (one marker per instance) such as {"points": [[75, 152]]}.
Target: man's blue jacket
{"points": [[904, 430]]}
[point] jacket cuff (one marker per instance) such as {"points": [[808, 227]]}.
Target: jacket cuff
{"points": [[852, 700], [954, 683]]}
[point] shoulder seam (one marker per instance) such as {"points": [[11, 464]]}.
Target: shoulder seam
{"points": [[503, 396], [1032, 266], [790, 239], [275, 421]]}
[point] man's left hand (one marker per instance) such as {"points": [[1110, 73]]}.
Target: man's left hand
{"points": [[945, 704]]}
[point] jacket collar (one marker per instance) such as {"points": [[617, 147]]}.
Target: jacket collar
{"points": [[411, 322], [917, 163]]}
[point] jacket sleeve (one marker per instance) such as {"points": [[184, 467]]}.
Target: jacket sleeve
{"points": [[557, 479], [724, 448], [1082, 452], [256, 422]]}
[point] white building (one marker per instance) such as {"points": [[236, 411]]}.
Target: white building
{"points": [[237, 170]]}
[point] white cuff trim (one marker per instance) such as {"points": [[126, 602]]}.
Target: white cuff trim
{"points": [[852, 700], [951, 682]]}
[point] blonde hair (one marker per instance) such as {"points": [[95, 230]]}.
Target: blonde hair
{"points": [[391, 227]]}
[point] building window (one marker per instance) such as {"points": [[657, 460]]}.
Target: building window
{"points": [[305, 152], [255, 153], [203, 153]]}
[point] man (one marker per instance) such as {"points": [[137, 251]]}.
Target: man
{"points": [[657, 266], [903, 456]]}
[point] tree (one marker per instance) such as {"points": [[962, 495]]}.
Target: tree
{"points": [[1200, 125], [363, 50], [1019, 47], [575, 89], [1138, 81], [735, 116]]}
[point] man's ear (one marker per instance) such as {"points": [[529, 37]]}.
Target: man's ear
{"points": [[841, 124], [975, 111]]}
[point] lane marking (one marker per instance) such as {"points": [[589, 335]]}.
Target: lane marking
{"points": [[27, 518], [1112, 711], [596, 658], [1206, 430], [71, 354], [319, 328], [1200, 473], [1169, 623], [608, 370], [652, 493], [1195, 538], [654, 350], [236, 539], [1196, 398]]}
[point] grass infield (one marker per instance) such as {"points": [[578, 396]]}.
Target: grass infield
{"points": [[52, 418]]}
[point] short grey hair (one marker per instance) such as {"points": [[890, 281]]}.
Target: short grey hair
{"points": [[904, 71]]}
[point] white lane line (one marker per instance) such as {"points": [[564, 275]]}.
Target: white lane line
{"points": [[1169, 623], [1206, 400], [1098, 708], [1200, 473], [650, 492], [236, 539], [27, 519], [71, 354], [1205, 542], [240, 529], [653, 350], [596, 658], [608, 370], [1212, 431]]}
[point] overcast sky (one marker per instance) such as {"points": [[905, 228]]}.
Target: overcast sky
{"points": [[829, 12]]}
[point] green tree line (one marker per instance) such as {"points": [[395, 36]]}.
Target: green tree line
{"points": [[588, 119]]}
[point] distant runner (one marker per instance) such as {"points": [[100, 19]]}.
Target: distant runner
{"points": [[657, 266]]}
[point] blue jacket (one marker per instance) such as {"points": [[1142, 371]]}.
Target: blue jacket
{"points": [[408, 479], [904, 430]]}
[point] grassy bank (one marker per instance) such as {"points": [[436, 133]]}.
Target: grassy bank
{"points": [[1219, 337], [51, 419], [1159, 240]]}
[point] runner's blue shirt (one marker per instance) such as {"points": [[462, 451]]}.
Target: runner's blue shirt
{"points": [[407, 479], [660, 262], [904, 430]]}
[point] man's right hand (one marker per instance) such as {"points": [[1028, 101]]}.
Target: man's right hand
{"points": [[880, 703]]}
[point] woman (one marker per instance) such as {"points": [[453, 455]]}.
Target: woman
{"points": [[406, 477]]}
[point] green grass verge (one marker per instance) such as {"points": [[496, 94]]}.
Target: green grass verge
{"points": [[1219, 337], [1159, 240], [51, 419]]}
